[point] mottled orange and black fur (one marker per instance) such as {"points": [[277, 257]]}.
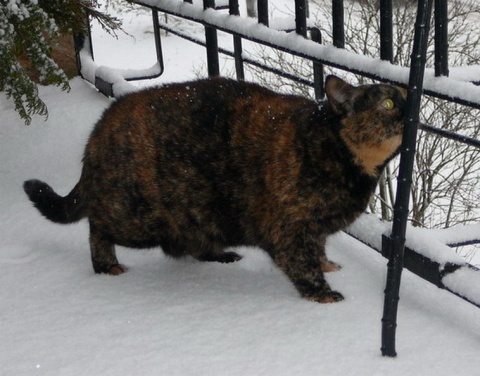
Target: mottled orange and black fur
{"points": [[199, 166]]}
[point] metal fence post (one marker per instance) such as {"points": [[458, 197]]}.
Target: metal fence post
{"points": [[211, 40], [301, 17], [386, 30], [441, 38], [262, 8], [394, 245], [237, 43], [158, 40], [318, 76], [338, 25]]}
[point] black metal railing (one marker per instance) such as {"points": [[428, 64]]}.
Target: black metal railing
{"points": [[310, 47], [84, 46], [394, 244]]}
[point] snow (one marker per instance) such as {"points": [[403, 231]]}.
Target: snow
{"points": [[460, 282], [183, 317], [424, 241], [459, 234]]}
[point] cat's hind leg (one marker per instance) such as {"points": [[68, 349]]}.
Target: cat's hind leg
{"points": [[104, 259]]}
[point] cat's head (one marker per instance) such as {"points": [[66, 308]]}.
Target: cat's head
{"points": [[371, 120]]}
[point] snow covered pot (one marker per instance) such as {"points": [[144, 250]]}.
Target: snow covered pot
{"points": [[200, 166]]}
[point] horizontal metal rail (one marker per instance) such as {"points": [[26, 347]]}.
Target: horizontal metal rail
{"points": [[445, 133]]}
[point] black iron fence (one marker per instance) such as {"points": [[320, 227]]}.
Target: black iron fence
{"points": [[225, 17]]}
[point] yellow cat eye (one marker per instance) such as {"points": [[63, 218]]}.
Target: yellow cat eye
{"points": [[388, 104]]}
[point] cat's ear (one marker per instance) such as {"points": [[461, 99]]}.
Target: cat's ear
{"points": [[403, 91], [339, 94]]}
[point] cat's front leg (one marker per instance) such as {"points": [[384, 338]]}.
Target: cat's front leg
{"points": [[302, 263]]}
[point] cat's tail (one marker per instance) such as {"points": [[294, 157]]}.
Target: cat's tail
{"points": [[68, 209]]}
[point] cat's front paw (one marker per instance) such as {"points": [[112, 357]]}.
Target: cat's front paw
{"points": [[229, 257], [318, 291], [116, 269], [330, 266], [330, 297], [225, 258]]}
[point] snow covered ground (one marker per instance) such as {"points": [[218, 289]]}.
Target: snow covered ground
{"points": [[183, 317]]}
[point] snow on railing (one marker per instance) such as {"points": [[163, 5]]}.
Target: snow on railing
{"points": [[428, 253], [108, 80], [111, 81]]}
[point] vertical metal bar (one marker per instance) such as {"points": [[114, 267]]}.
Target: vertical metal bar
{"points": [[90, 41], [301, 17], [233, 7], [338, 24], [158, 41], [395, 244], [441, 38], [237, 51], [318, 79], [208, 4], [213, 64], [234, 10], [79, 44], [262, 9], [386, 30]]}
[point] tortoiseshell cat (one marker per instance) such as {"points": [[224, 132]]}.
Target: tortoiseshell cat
{"points": [[199, 166]]}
